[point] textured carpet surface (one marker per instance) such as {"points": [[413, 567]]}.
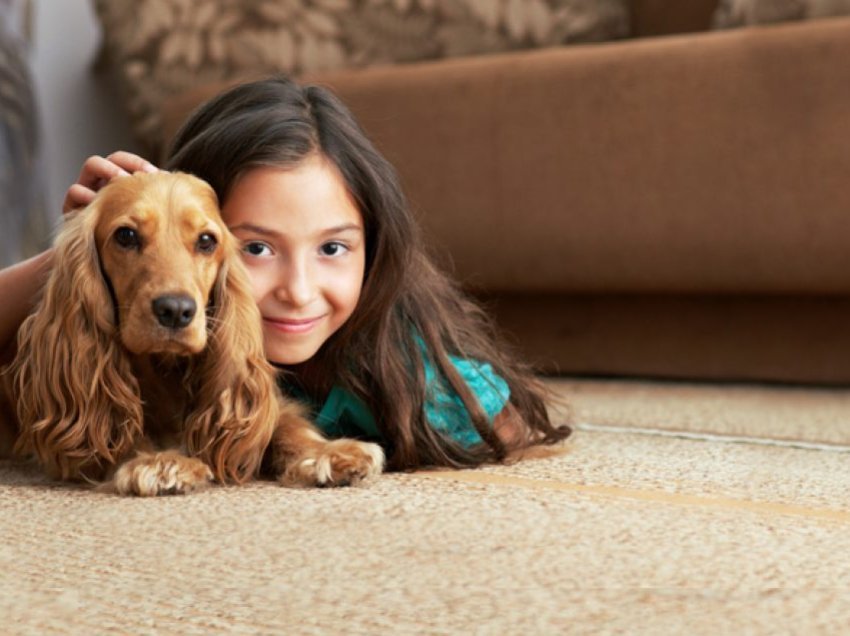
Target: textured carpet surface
{"points": [[813, 415], [621, 532]]}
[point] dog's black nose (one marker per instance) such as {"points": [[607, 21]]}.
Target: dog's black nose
{"points": [[174, 312]]}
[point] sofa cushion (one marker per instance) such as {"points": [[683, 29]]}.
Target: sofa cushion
{"points": [[772, 338], [682, 164], [736, 13], [155, 48]]}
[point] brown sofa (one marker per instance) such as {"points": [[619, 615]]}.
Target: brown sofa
{"points": [[661, 206]]}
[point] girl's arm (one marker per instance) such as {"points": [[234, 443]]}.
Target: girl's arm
{"points": [[509, 426], [20, 285]]}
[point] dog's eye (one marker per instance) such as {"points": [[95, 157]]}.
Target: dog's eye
{"points": [[127, 238], [206, 243]]}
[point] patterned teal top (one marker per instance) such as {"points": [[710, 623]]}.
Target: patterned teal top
{"points": [[345, 415]]}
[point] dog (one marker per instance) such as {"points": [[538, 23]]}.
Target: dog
{"points": [[141, 368]]}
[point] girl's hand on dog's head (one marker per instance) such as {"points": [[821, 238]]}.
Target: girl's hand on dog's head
{"points": [[97, 172]]}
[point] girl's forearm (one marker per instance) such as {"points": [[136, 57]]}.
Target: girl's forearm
{"points": [[19, 287]]}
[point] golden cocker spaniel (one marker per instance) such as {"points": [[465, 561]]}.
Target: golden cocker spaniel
{"points": [[142, 366]]}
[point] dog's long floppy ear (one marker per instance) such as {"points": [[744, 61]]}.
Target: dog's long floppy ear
{"points": [[235, 393], [77, 398]]}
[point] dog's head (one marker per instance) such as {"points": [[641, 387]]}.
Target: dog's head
{"points": [[147, 268], [161, 245]]}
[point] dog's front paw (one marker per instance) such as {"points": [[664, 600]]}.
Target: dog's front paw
{"points": [[166, 473], [340, 462]]}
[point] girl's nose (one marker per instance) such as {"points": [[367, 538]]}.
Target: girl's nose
{"points": [[296, 286]]}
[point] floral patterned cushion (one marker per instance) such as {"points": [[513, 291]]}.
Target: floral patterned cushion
{"points": [[735, 13], [156, 48]]}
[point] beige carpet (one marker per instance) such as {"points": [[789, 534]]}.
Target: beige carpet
{"points": [[794, 414], [662, 528]]}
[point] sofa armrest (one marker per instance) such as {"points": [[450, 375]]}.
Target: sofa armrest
{"points": [[705, 163]]}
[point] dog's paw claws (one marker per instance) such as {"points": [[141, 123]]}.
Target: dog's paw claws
{"points": [[166, 473], [341, 462]]}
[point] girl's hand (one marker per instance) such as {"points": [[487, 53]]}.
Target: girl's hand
{"points": [[97, 172]]}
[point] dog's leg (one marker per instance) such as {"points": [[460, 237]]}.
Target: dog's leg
{"points": [[302, 456], [150, 474]]}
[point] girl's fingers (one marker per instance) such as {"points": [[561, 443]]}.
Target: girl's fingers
{"points": [[77, 196], [131, 163], [97, 171], [96, 168], [118, 164]]}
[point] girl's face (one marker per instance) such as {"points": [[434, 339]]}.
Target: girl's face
{"points": [[303, 245]]}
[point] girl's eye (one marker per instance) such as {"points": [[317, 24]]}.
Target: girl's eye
{"points": [[333, 248], [256, 249]]}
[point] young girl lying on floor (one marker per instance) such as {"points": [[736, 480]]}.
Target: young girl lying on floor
{"points": [[359, 321]]}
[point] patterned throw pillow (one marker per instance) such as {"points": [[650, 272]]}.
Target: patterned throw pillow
{"points": [[736, 13], [157, 48]]}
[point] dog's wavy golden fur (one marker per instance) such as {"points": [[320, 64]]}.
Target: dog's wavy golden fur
{"points": [[142, 366]]}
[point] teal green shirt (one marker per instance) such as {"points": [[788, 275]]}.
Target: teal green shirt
{"points": [[345, 415]]}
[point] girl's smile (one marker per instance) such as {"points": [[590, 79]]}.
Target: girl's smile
{"points": [[292, 325], [303, 246]]}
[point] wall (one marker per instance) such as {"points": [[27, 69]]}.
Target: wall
{"points": [[79, 117]]}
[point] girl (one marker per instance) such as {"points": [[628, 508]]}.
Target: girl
{"points": [[361, 324]]}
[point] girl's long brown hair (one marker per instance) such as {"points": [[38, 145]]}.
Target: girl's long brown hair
{"points": [[375, 354]]}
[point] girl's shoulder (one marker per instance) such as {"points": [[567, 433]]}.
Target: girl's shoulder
{"points": [[344, 414], [490, 388], [444, 408]]}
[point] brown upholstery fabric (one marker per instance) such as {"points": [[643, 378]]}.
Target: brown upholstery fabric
{"points": [[648, 166], [665, 17], [671, 206], [732, 338]]}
